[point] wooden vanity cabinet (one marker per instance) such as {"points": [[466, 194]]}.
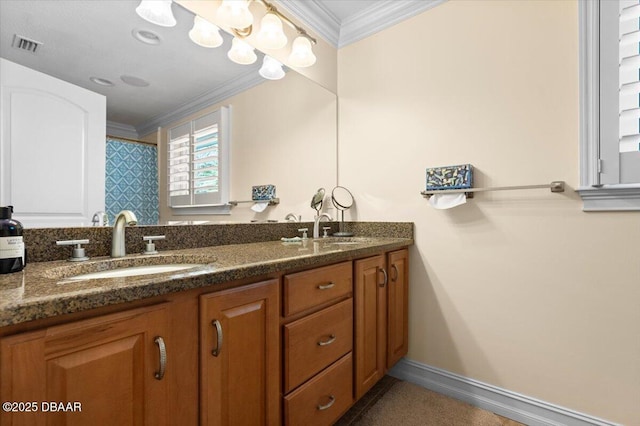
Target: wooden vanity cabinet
{"points": [[245, 355], [111, 365], [381, 321], [397, 306], [239, 356], [317, 345]]}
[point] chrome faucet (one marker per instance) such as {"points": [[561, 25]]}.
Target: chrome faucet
{"points": [[316, 224], [293, 218], [124, 218], [100, 218]]}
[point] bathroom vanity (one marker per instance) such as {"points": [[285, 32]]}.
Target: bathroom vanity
{"points": [[262, 333]]}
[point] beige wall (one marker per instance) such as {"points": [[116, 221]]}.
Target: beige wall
{"points": [[520, 289], [282, 133]]}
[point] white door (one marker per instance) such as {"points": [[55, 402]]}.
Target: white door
{"points": [[52, 148]]}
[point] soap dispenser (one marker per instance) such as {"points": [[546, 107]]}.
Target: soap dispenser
{"points": [[12, 252]]}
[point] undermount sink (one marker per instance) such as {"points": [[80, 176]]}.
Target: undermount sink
{"points": [[349, 241], [129, 266], [135, 270]]}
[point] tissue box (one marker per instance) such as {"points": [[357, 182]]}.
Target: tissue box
{"points": [[263, 192], [450, 177]]}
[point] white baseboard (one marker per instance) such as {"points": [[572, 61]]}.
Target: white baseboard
{"points": [[515, 406]]}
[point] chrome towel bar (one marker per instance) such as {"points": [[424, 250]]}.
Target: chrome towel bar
{"points": [[555, 186]]}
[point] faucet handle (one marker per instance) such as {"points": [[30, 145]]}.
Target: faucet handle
{"points": [[325, 229], [150, 247], [304, 232], [78, 254]]}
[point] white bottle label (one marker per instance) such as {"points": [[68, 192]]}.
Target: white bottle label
{"points": [[11, 247]]}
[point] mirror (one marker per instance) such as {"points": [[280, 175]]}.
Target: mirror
{"points": [[317, 200], [342, 199], [280, 128]]}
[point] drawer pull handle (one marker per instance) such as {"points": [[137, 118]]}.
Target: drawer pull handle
{"points": [[332, 339], [326, 286], [218, 327], [332, 400], [163, 357]]}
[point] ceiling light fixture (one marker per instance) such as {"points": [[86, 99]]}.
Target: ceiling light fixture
{"points": [[101, 81], [134, 81], [146, 36], [271, 69], [157, 12], [235, 14], [301, 53], [204, 33], [271, 35], [241, 52]]}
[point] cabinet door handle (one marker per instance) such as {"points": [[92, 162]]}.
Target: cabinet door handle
{"points": [[386, 278], [326, 286], [162, 349], [395, 275], [331, 339], [218, 327], [332, 400]]}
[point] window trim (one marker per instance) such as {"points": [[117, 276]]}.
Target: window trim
{"points": [[596, 197], [224, 142]]}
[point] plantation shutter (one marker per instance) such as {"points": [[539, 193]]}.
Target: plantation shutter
{"points": [[620, 91], [197, 165]]}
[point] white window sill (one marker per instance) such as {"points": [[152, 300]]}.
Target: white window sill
{"points": [[611, 198]]}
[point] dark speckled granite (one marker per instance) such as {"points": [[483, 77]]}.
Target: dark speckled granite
{"points": [[41, 242], [41, 289]]}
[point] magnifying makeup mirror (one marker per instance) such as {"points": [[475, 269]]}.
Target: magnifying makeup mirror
{"points": [[316, 201], [342, 199]]}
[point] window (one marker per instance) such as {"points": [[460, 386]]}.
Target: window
{"points": [[198, 164], [610, 104]]}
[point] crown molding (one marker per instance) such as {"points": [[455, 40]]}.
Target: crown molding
{"points": [[225, 91], [120, 130], [315, 16], [381, 15]]}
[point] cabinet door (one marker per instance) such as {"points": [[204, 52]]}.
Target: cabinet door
{"points": [[398, 302], [239, 356], [371, 322], [110, 365]]}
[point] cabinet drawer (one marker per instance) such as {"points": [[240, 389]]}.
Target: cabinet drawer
{"points": [[324, 398], [315, 341], [307, 289]]}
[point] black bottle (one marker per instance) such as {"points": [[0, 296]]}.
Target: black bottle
{"points": [[12, 258]]}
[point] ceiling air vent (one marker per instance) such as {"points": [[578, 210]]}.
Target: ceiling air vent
{"points": [[23, 43]]}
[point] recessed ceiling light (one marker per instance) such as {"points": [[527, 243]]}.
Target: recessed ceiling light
{"points": [[101, 81], [134, 81], [146, 36]]}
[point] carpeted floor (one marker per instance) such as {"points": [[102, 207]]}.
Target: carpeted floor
{"points": [[395, 402]]}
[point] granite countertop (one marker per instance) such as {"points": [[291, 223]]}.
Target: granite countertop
{"points": [[43, 289]]}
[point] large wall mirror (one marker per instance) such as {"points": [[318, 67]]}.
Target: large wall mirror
{"points": [[283, 132]]}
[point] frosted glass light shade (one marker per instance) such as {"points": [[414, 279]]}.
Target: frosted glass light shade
{"points": [[241, 52], [235, 14], [271, 35], [271, 69], [157, 12], [204, 33], [301, 53]]}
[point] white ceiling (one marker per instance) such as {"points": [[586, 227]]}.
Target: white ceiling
{"points": [[93, 38]]}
